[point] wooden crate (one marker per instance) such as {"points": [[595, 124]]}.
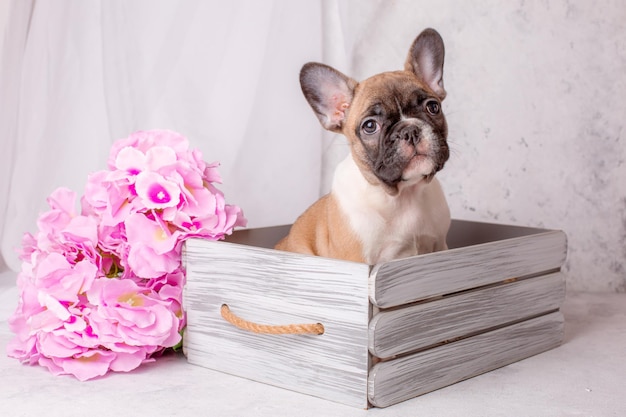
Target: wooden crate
{"points": [[394, 330]]}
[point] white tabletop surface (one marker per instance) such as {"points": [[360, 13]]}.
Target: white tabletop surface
{"points": [[586, 376]]}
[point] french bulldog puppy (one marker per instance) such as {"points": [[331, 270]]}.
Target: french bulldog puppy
{"points": [[385, 202]]}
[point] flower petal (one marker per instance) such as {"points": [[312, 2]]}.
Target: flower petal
{"points": [[156, 192], [130, 160], [159, 157], [88, 365]]}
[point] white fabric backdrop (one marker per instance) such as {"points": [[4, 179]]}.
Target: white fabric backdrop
{"points": [[79, 74], [535, 104]]}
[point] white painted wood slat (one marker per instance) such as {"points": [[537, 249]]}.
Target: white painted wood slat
{"points": [[418, 326], [424, 276], [272, 287], [397, 380], [456, 296]]}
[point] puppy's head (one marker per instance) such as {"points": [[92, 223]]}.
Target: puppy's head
{"points": [[393, 121]]}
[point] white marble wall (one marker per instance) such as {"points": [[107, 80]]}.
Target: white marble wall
{"points": [[536, 105]]}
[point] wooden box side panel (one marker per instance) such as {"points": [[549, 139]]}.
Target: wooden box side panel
{"points": [[272, 287], [397, 380], [425, 276], [418, 326]]}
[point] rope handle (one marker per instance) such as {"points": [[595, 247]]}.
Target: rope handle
{"points": [[232, 318]]}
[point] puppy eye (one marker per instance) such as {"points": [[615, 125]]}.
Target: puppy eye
{"points": [[433, 107], [370, 126]]}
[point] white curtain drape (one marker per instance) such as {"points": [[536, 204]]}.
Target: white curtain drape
{"points": [[78, 75]]}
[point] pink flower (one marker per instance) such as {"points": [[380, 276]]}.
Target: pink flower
{"points": [[155, 191], [84, 365], [152, 233], [93, 363], [108, 196], [63, 280], [196, 198], [145, 262], [101, 290], [130, 160], [145, 140], [125, 313]]}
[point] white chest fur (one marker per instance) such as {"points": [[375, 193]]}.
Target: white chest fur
{"points": [[414, 221]]}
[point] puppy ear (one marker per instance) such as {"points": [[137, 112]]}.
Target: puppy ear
{"points": [[329, 92], [425, 60]]}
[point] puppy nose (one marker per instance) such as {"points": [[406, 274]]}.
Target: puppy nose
{"points": [[410, 134]]}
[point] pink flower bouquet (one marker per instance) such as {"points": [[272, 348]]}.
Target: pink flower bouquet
{"points": [[102, 289]]}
